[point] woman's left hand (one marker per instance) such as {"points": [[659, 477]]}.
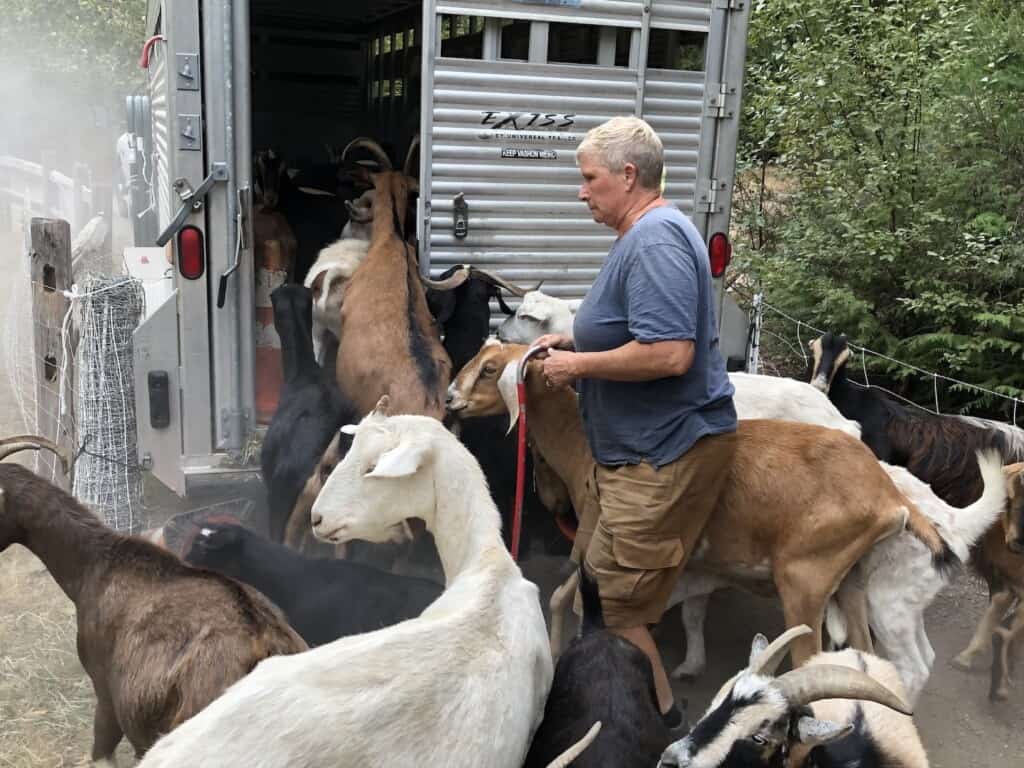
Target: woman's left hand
{"points": [[560, 369]]}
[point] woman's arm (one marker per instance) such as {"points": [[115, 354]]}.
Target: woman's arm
{"points": [[633, 361]]}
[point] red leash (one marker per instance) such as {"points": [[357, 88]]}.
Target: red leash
{"points": [[517, 512]]}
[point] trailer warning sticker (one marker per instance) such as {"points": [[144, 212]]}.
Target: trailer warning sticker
{"points": [[529, 154]]}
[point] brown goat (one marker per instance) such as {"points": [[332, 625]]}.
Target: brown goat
{"points": [[158, 639], [1001, 549], [389, 343], [801, 504]]}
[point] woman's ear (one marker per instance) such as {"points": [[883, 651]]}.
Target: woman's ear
{"points": [[629, 172]]}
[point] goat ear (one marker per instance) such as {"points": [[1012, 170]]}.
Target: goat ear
{"points": [[757, 647], [812, 732], [349, 429], [383, 406], [401, 461], [507, 389]]}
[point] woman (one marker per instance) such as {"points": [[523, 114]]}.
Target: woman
{"points": [[655, 398]]}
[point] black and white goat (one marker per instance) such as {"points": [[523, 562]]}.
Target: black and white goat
{"points": [[322, 598], [309, 413], [603, 678], [941, 450], [839, 710]]}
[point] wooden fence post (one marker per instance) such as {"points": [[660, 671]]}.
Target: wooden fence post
{"points": [[50, 271]]}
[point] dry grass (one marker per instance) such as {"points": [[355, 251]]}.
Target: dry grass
{"points": [[46, 699]]}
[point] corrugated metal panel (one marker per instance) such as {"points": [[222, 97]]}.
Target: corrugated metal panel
{"points": [[159, 109], [673, 104], [619, 13], [525, 221], [681, 14]]}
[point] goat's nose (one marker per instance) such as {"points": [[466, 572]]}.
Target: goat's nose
{"points": [[449, 396], [317, 519]]}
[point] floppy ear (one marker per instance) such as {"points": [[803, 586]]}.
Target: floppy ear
{"points": [[401, 461], [507, 389], [812, 732], [349, 429]]}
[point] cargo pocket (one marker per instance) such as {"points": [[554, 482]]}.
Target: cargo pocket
{"points": [[642, 566]]}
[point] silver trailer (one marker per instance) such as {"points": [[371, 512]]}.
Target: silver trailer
{"points": [[500, 91]]}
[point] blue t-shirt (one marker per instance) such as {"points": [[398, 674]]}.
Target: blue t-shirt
{"points": [[655, 285]]}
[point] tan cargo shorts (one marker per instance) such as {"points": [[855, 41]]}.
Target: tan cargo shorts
{"points": [[648, 522]]}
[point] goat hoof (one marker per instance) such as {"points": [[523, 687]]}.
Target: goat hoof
{"points": [[964, 662], [1000, 694]]}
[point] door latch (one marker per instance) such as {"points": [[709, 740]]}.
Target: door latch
{"points": [[460, 216], [192, 200]]}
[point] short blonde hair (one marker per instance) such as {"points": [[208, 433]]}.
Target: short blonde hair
{"points": [[624, 140]]}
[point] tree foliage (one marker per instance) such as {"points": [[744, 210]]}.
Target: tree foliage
{"points": [[84, 40], [882, 184]]}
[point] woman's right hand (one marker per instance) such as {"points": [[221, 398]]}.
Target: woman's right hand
{"points": [[555, 341]]}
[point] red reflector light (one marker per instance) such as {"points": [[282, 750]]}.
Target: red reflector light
{"points": [[191, 253], [720, 252]]}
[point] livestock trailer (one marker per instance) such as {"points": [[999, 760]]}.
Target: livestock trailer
{"points": [[500, 92]]}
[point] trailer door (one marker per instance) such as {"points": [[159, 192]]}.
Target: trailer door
{"points": [[172, 343], [511, 86]]}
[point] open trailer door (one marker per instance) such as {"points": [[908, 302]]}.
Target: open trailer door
{"points": [[511, 86]]}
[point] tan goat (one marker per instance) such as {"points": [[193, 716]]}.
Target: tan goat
{"points": [[801, 505], [1002, 550], [389, 343]]}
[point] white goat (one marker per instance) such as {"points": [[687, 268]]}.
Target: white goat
{"points": [[539, 314], [461, 686], [326, 279], [899, 580]]}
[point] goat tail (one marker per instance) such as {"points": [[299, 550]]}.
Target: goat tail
{"points": [[576, 749], [971, 522], [944, 559], [593, 613]]}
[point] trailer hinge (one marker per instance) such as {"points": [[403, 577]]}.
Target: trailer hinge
{"points": [[730, 5], [721, 100], [707, 196]]}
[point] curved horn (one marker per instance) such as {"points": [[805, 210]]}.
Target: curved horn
{"points": [[497, 280], [373, 148], [576, 749], [12, 445], [829, 681], [414, 146], [771, 657], [449, 283]]}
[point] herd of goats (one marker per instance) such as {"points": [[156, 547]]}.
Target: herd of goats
{"points": [[210, 645]]}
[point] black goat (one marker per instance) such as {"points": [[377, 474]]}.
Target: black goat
{"points": [[310, 411], [322, 598], [940, 450], [601, 677], [316, 220]]}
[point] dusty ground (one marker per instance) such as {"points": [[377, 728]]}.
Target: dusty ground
{"points": [[46, 700]]}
